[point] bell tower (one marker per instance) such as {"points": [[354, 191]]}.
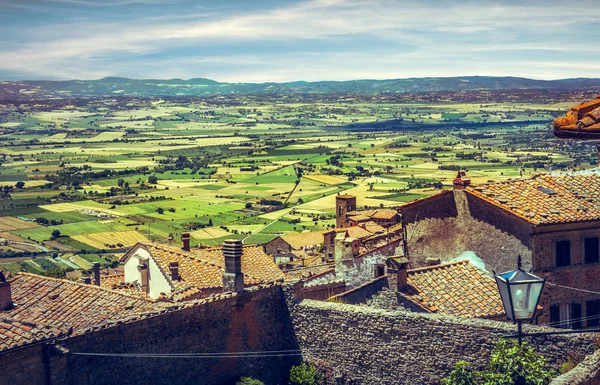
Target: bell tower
{"points": [[343, 204]]}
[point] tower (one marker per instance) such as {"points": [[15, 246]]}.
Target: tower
{"points": [[343, 204]]}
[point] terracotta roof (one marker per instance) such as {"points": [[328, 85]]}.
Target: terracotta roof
{"points": [[298, 241], [310, 271], [66, 304], [14, 333], [546, 199], [372, 227], [204, 268], [384, 214], [359, 218], [357, 232], [581, 121], [117, 282], [456, 288]]}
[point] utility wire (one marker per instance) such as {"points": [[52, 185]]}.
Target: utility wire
{"points": [[573, 288]]}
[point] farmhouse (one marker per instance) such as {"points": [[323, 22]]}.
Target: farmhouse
{"points": [[178, 274], [287, 248]]}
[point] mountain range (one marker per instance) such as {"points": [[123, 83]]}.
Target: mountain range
{"points": [[202, 87]]}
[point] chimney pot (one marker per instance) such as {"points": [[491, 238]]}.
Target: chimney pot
{"points": [[143, 269], [6, 302], [433, 261], [174, 267], [96, 273], [86, 279], [185, 241]]}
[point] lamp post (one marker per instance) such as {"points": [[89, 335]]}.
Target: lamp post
{"points": [[520, 292]]}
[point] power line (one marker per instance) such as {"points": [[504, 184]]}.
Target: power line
{"points": [[573, 288]]}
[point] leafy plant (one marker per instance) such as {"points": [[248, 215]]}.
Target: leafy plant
{"points": [[510, 364], [305, 374], [249, 381], [461, 375]]}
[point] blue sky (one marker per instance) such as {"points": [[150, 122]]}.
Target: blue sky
{"points": [[267, 40]]}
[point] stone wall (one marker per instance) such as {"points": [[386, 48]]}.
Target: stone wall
{"points": [[248, 322], [23, 366], [586, 373], [372, 346], [439, 207], [323, 291]]}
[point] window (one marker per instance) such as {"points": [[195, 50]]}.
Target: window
{"points": [[563, 253], [592, 309], [554, 316], [566, 315], [592, 250], [575, 319]]}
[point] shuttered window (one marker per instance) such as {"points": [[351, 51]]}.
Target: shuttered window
{"points": [[563, 253], [592, 250]]}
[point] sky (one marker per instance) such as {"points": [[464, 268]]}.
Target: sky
{"points": [[267, 40]]}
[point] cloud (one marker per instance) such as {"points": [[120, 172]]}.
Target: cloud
{"points": [[458, 36]]}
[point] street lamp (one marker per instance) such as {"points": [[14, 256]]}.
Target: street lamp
{"points": [[520, 292]]}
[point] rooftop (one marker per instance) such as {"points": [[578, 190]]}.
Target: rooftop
{"points": [[14, 333], [456, 288], [581, 121], [546, 199], [67, 304], [204, 268]]}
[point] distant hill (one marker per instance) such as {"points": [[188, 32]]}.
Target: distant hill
{"points": [[200, 86]]}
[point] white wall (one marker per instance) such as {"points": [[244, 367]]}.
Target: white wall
{"points": [[156, 280]]}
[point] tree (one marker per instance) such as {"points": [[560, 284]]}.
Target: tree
{"points": [[305, 374], [152, 179], [160, 210], [55, 234], [120, 182], [210, 223], [20, 185], [249, 381]]}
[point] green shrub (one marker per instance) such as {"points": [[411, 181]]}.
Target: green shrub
{"points": [[510, 364], [249, 381], [305, 374]]}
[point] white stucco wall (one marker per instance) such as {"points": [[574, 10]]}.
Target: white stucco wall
{"points": [[156, 280]]}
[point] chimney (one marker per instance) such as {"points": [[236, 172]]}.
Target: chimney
{"points": [[233, 279], [174, 267], [185, 241], [397, 272], [86, 279], [461, 181], [143, 269], [6, 302], [433, 261], [96, 273], [402, 278]]}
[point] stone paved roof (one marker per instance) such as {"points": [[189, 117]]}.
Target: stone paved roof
{"points": [[581, 121], [14, 333], [456, 288], [66, 304], [546, 199], [310, 271]]}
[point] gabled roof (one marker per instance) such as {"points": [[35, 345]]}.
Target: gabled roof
{"points": [[311, 271], [376, 214], [204, 268], [546, 199], [14, 333], [357, 232], [456, 288], [65, 304]]}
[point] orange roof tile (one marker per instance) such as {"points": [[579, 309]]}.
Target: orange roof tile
{"points": [[14, 333], [582, 121], [546, 199], [456, 288], [66, 304], [204, 268]]}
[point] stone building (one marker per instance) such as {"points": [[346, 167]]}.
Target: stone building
{"points": [[295, 247], [347, 215], [555, 217], [179, 274]]}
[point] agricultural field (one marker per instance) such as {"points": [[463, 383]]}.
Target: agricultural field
{"points": [[102, 174]]}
